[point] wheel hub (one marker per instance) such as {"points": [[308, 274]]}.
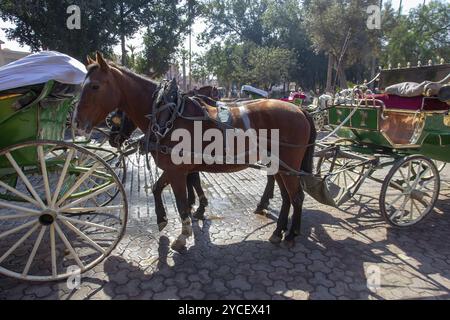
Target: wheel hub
{"points": [[417, 195], [47, 217]]}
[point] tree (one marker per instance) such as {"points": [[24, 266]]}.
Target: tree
{"points": [[269, 66], [241, 20], [200, 72], [422, 35], [339, 29], [126, 17], [271, 23], [42, 25], [166, 23]]}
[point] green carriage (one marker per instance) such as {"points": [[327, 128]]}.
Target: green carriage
{"points": [[63, 208], [409, 135]]}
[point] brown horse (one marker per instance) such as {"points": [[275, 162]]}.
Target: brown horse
{"points": [[124, 128], [109, 87], [207, 91]]}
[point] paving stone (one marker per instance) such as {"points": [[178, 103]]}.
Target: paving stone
{"points": [[240, 282], [230, 256]]}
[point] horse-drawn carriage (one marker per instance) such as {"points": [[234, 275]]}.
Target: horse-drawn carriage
{"points": [[408, 132], [62, 207]]}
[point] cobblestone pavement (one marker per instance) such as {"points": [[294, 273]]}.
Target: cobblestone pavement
{"points": [[229, 256]]}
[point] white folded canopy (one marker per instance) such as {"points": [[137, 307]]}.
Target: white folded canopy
{"points": [[40, 68], [254, 90]]}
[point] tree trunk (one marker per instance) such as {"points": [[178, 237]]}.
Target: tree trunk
{"points": [[122, 36], [329, 86], [342, 77], [184, 73], [124, 50]]}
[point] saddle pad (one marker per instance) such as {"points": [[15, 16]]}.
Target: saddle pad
{"points": [[224, 114]]}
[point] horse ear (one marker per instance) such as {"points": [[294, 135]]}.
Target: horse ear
{"points": [[89, 60], [101, 61]]}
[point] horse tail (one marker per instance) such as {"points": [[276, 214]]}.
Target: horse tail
{"points": [[308, 160]]}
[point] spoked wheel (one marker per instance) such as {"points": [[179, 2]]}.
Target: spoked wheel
{"points": [[52, 221], [410, 191], [99, 145], [440, 165], [344, 172], [319, 120]]}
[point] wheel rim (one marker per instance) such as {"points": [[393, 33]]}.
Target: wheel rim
{"points": [[410, 191], [59, 225]]}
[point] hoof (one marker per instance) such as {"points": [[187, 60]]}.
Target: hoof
{"points": [[289, 244], [199, 215], [162, 226], [178, 245], [262, 212], [274, 239], [186, 228]]}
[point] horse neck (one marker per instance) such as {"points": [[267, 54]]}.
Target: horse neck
{"points": [[136, 97]]}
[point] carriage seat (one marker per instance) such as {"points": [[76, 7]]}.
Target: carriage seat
{"points": [[409, 103]]}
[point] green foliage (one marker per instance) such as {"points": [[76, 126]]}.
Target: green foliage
{"points": [[260, 42], [165, 34], [423, 34], [265, 23], [270, 65], [42, 25]]}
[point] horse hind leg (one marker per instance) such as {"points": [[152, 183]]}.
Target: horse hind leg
{"points": [[263, 205], [297, 197], [282, 223], [203, 201]]}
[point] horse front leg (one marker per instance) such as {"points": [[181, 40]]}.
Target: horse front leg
{"points": [[178, 181], [161, 216], [190, 190]]}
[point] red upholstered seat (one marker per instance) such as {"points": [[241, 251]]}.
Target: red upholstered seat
{"points": [[293, 96], [405, 103]]}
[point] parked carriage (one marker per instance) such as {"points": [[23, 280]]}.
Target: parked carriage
{"points": [[409, 135], [63, 209]]}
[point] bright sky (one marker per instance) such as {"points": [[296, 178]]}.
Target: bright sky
{"points": [[197, 28]]}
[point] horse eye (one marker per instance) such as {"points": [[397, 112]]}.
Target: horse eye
{"points": [[95, 86]]}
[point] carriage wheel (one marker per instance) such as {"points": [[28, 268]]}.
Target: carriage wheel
{"points": [[440, 165], [54, 223], [113, 157], [410, 191], [99, 145], [319, 121], [343, 172]]}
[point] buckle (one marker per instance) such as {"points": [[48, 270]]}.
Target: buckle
{"points": [[156, 128], [164, 150]]}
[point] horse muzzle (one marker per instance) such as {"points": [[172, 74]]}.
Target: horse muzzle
{"points": [[82, 129]]}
